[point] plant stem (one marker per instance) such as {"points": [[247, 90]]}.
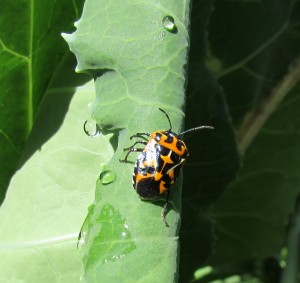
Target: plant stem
{"points": [[255, 119]]}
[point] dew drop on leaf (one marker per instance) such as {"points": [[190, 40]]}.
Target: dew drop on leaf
{"points": [[107, 177], [91, 128], [169, 24]]}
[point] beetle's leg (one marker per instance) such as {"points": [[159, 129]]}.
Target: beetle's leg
{"points": [[165, 209], [130, 149], [137, 142], [140, 135]]}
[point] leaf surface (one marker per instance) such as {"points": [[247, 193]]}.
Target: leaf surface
{"points": [[31, 51], [48, 197], [138, 67]]}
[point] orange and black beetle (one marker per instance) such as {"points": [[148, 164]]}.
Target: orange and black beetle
{"points": [[159, 163]]}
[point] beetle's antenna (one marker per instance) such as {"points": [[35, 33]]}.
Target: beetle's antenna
{"points": [[163, 111], [195, 129]]}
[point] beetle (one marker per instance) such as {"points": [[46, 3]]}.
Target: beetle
{"points": [[159, 163]]}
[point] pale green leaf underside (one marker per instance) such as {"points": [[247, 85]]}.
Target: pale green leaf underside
{"points": [[48, 199]]}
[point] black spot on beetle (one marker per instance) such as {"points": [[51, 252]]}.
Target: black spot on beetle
{"points": [[169, 139], [175, 157], [179, 145]]}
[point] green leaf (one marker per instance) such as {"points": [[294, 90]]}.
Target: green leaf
{"points": [[213, 160], [137, 60], [138, 67], [48, 197], [253, 214], [290, 273], [31, 51]]}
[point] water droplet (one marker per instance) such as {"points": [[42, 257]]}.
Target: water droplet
{"points": [[107, 176], [169, 24], [91, 128]]}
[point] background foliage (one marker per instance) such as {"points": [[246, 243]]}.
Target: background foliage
{"points": [[31, 52], [242, 78], [253, 50]]}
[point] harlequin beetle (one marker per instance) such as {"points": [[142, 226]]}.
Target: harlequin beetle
{"points": [[159, 163]]}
